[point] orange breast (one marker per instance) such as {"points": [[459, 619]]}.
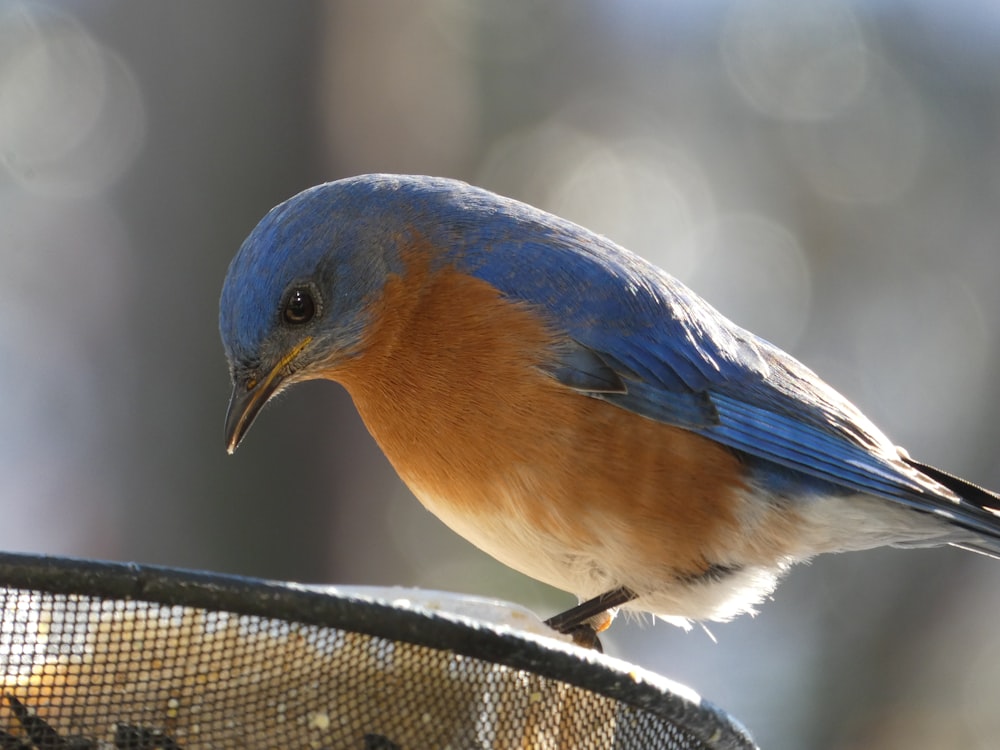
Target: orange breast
{"points": [[450, 388]]}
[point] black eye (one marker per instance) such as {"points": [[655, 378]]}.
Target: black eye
{"points": [[299, 307]]}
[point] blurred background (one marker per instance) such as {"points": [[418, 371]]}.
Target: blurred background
{"points": [[826, 173]]}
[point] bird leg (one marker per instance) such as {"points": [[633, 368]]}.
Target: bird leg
{"points": [[584, 621]]}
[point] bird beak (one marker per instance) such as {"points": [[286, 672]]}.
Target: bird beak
{"points": [[249, 397]]}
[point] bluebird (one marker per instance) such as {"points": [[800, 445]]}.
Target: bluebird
{"points": [[568, 407]]}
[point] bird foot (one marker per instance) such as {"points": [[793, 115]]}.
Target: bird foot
{"points": [[584, 621]]}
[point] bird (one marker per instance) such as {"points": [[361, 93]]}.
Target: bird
{"points": [[568, 407]]}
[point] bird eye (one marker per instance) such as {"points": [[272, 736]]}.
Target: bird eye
{"points": [[299, 307]]}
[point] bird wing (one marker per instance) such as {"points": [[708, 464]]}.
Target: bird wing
{"points": [[641, 340]]}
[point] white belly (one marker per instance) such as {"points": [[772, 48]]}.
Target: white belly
{"points": [[828, 525]]}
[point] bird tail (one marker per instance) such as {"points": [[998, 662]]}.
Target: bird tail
{"points": [[981, 503]]}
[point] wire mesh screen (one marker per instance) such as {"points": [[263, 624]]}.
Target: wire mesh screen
{"points": [[99, 655]]}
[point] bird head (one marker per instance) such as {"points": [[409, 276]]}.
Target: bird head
{"points": [[295, 300], [299, 295]]}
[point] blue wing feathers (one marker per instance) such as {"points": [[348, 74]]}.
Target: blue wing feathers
{"points": [[684, 363], [584, 370]]}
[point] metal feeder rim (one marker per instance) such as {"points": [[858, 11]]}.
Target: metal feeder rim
{"points": [[305, 604]]}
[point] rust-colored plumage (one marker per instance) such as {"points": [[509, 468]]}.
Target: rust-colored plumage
{"points": [[451, 386]]}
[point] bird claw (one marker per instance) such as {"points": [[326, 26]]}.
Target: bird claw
{"points": [[584, 621], [585, 636]]}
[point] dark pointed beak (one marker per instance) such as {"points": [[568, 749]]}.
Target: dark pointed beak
{"points": [[244, 406], [249, 397]]}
